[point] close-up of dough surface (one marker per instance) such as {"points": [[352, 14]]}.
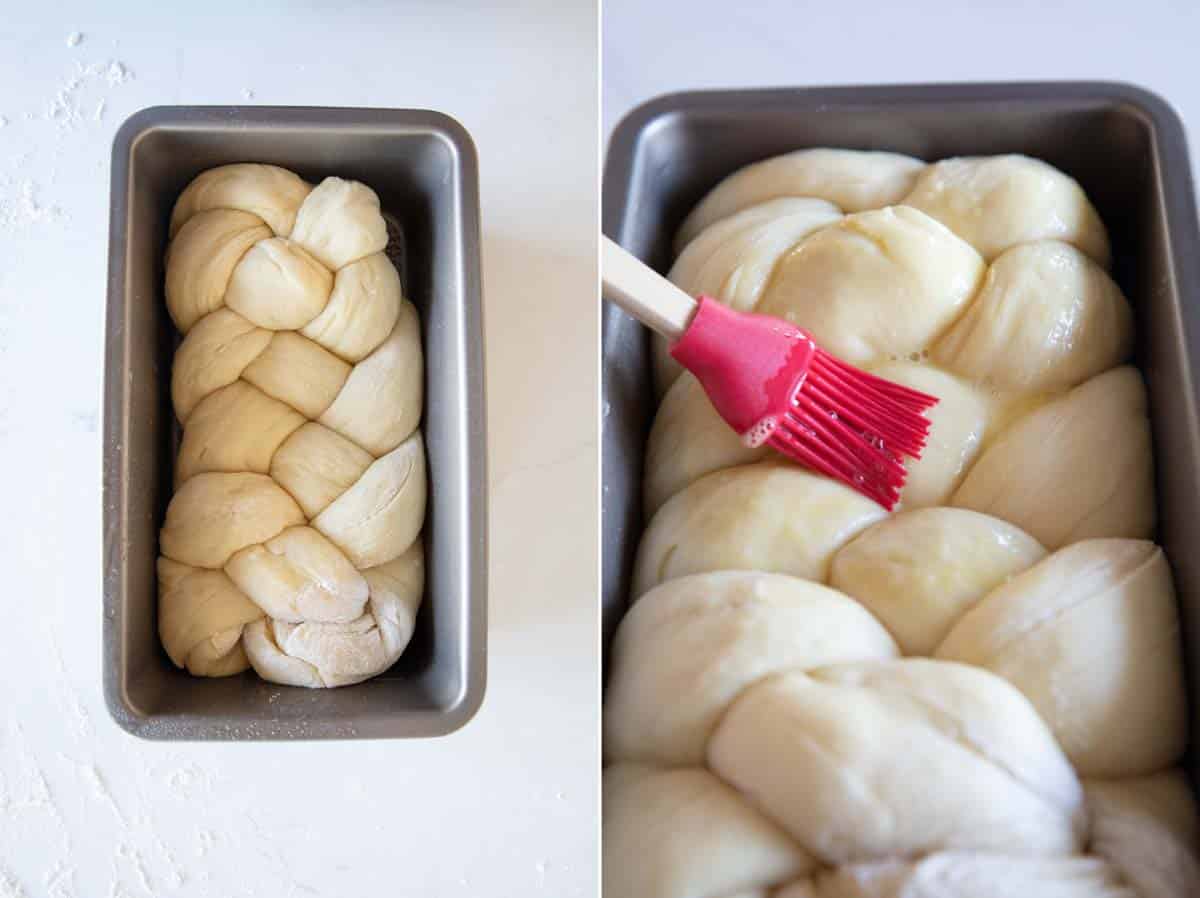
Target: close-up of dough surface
{"points": [[980, 695], [292, 542]]}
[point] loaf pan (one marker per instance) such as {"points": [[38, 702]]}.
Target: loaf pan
{"points": [[1124, 145], [423, 166]]}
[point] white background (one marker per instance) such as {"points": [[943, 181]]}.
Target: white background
{"points": [[506, 807], [671, 45]]}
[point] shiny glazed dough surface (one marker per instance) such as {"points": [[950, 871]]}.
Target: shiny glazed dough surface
{"points": [[979, 695]]}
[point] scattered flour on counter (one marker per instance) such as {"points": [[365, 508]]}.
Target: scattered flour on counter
{"points": [[98, 115], [74, 39], [100, 791], [40, 797], [133, 857], [117, 73], [247, 93], [65, 108], [59, 882], [74, 706], [21, 208], [204, 842], [176, 877], [118, 889], [32, 779], [9, 887], [188, 779], [3, 121]]}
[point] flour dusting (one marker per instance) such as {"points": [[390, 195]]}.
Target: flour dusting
{"points": [[188, 779], [175, 877], [21, 206], [9, 887], [72, 703], [59, 882], [204, 842], [77, 103], [66, 108], [74, 39], [100, 791], [133, 857]]}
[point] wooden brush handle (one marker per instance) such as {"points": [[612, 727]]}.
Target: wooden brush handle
{"points": [[643, 293]]}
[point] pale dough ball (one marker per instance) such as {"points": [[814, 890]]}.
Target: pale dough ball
{"points": [[316, 465], [958, 425], [318, 655], [685, 834], [300, 575], [1147, 828], [688, 440], [875, 285], [973, 875], [201, 615], [201, 259], [297, 371], [362, 310], [213, 355], [1091, 636], [1078, 467], [236, 428], [997, 202], [918, 571], [1047, 318], [381, 514], [855, 180], [888, 759], [214, 515], [733, 259], [339, 222], [687, 648], [272, 193], [380, 404], [767, 517], [277, 285]]}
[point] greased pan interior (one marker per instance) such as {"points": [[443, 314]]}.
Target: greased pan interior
{"points": [[423, 166]]}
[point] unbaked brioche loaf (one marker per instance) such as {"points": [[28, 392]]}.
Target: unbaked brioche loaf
{"points": [[292, 541], [978, 696]]}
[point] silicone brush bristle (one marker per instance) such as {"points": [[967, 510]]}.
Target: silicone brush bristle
{"points": [[854, 427], [772, 383]]}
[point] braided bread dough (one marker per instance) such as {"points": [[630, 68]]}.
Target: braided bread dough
{"points": [[978, 696], [292, 541]]}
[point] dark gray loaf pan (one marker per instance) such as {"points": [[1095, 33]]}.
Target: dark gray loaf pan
{"points": [[1124, 145], [423, 166]]}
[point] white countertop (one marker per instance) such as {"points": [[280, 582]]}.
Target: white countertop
{"points": [[507, 806], [662, 47]]}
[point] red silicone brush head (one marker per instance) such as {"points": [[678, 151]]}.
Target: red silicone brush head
{"points": [[771, 382]]}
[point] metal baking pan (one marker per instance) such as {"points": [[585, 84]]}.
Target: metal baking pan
{"points": [[1124, 145], [423, 166]]}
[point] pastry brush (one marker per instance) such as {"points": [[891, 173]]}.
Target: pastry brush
{"points": [[774, 385]]}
